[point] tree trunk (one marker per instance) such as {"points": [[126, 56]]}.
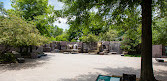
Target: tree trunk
{"points": [[146, 54]]}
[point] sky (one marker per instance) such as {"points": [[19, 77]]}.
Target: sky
{"points": [[57, 6]]}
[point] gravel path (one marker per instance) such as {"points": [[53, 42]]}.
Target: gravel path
{"points": [[76, 67]]}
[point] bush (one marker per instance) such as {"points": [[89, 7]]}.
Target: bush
{"points": [[89, 38], [133, 55], [73, 40], [8, 58]]}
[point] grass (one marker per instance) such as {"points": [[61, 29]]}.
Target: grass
{"points": [[133, 55]]}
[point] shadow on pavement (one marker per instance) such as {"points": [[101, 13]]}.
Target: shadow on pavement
{"points": [[160, 64], [29, 63], [115, 71], [108, 71]]}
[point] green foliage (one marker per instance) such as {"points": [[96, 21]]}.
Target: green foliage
{"points": [[93, 23], [38, 11], [160, 8], [52, 39], [87, 17], [130, 26], [110, 35], [42, 24], [96, 24], [14, 12], [114, 10], [57, 31], [8, 58], [131, 39], [2, 10], [160, 31], [133, 55], [73, 40], [1, 6], [74, 32], [17, 32], [124, 17], [62, 37], [31, 8], [89, 38]]}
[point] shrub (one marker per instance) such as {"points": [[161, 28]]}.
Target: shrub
{"points": [[8, 58]]}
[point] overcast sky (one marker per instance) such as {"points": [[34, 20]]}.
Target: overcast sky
{"points": [[57, 6]]}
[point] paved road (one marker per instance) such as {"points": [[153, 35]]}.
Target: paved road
{"points": [[76, 67]]}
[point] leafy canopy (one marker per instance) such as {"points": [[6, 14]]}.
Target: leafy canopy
{"points": [[31, 8], [38, 11], [160, 31], [89, 38], [18, 32]]}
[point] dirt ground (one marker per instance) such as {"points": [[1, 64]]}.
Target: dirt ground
{"points": [[76, 67]]}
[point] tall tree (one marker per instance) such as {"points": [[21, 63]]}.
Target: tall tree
{"points": [[31, 8], [37, 10], [79, 9], [146, 53]]}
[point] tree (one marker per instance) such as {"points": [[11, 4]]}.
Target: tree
{"points": [[159, 31], [57, 31], [38, 11], [79, 8], [130, 26], [73, 40], [110, 35], [89, 38], [131, 40], [18, 32], [31, 8], [43, 24], [94, 25], [62, 37], [146, 53]]}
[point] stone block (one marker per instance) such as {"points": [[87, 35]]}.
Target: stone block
{"points": [[66, 53], [40, 49], [55, 51], [20, 60], [34, 55], [101, 53], [47, 49]]}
